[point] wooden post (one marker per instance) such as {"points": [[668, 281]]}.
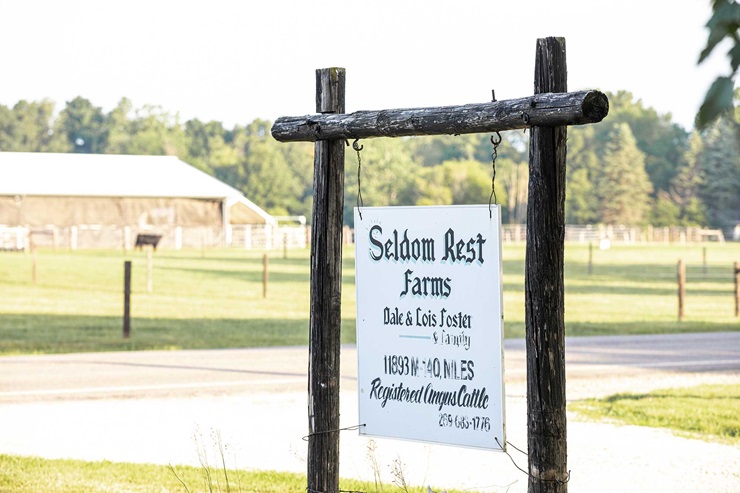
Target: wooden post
{"points": [[590, 258], [544, 109], [547, 113], [149, 269], [34, 261], [326, 293], [265, 274], [126, 299], [704, 260], [544, 286], [681, 288], [736, 269]]}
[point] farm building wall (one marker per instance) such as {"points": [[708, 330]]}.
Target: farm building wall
{"points": [[144, 212]]}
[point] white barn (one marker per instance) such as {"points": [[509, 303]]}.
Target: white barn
{"points": [[104, 201]]}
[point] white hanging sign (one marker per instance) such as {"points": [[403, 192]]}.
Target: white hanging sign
{"points": [[430, 324]]}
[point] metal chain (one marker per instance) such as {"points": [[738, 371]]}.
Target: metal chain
{"points": [[492, 200], [357, 149]]}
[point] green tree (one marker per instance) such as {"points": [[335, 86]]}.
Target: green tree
{"points": [[154, 131], [387, 175], [512, 186], [452, 183], [210, 145], [469, 182], [581, 203], [436, 149], [686, 186], [263, 171], [623, 187], [30, 127], [299, 156], [85, 126], [665, 211], [119, 131], [719, 161], [149, 130], [663, 142], [724, 23]]}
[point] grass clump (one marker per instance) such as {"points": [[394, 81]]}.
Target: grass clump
{"points": [[707, 412]]}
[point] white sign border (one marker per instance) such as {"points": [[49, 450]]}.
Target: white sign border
{"points": [[492, 213]]}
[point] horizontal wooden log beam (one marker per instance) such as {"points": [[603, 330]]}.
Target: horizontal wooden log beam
{"points": [[543, 110]]}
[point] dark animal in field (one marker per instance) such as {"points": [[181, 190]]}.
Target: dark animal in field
{"points": [[143, 240]]}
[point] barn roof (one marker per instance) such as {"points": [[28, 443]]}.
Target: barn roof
{"points": [[110, 175]]}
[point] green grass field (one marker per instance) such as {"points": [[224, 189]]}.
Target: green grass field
{"points": [[214, 299], [36, 475], [709, 412]]}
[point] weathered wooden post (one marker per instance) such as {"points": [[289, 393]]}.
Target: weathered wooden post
{"points": [[736, 271], [265, 274], [544, 287], [149, 269], [326, 293], [126, 299], [681, 288], [34, 260]]}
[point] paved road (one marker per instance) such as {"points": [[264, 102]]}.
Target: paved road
{"points": [[234, 371], [163, 407]]}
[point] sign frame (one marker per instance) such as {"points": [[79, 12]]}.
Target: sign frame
{"points": [[430, 351]]}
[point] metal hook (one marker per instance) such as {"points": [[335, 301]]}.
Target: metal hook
{"points": [[493, 139], [356, 147]]}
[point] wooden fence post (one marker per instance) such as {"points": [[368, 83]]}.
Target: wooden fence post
{"points": [[326, 293], [126, 299], [149, 269], [681, 288], [704, 260], [34, 260], [544, 286], [736, 270]]}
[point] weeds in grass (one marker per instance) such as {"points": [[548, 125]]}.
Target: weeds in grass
{"points": [[398, 472], [371, 448], [399, 478], [212, 474]]}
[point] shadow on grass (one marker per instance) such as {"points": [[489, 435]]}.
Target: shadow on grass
{"points": [[662, 394], [31, 333], [254, 276], [641, 327]]}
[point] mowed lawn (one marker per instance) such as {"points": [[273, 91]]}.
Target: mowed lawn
{"points": [[214, 298]]}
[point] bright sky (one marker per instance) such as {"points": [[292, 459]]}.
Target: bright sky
{"points": [[234, 61]]}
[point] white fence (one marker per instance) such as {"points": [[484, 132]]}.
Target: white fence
{"points": [[91, 236], [298, 236], [268, 237], [13, 238], [622, 234]]}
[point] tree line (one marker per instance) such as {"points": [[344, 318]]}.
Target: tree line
{"points": [[636, 167]]}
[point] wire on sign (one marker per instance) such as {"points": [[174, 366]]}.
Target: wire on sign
{"points": [[492, 200]]}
